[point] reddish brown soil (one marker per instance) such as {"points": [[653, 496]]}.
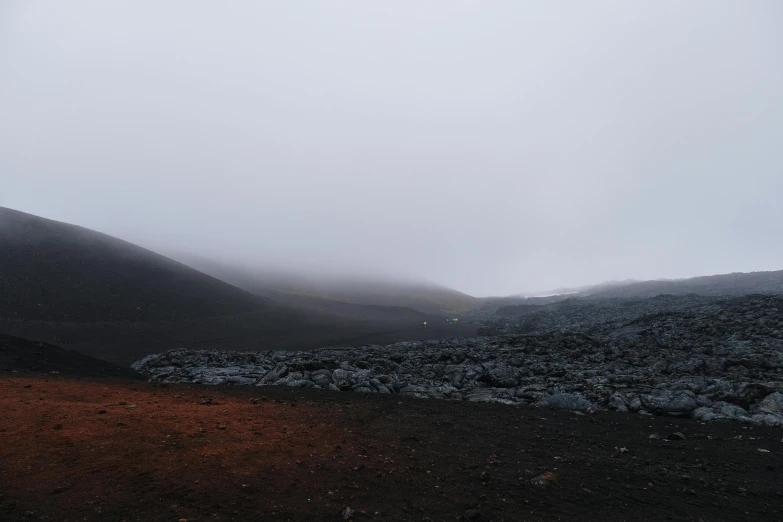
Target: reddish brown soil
{"points": [[76, 450]]}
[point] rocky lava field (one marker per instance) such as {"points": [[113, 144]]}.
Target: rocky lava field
{"points": [[704, 358]]}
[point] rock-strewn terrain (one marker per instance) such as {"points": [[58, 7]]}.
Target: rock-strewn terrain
{"points": [[723, 360], [587, 314]]}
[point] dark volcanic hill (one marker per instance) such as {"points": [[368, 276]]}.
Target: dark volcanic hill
{"points": [[54, 271], [106, 298]]}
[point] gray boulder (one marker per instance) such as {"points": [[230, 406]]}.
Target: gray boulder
{"points": [[677, 404], [721, 410], [501, 377], [342, 379], [321, 379], [772, 404], [279, 371], [768, 419], [378, 385], [705, 414], [617, 403], [568, 401], [240, 380], [729, 410]]}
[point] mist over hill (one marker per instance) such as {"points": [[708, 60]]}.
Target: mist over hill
{"points": [[55, 271], [305, 289]]}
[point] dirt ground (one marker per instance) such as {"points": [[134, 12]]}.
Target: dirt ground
{"points": [[121, 450]]}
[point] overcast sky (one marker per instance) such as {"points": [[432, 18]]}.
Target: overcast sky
{"points": [[495, 147]]}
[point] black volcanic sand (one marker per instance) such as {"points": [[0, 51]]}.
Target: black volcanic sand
{"points": [[23, 355], [93, 451], [126, 342]]}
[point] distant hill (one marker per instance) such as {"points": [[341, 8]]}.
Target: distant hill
{"points": [[318, 291], [54, 271], [724, 285], [607, 285], [735, 284]]}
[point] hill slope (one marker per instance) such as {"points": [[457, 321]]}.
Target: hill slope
{"points": [[54, 271], [397, 297], [86, 291]]}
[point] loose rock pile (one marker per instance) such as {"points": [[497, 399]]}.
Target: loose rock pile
{"points": [[710, 364]]}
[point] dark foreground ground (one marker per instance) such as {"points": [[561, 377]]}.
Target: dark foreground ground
{"points": [[123, 450]]}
